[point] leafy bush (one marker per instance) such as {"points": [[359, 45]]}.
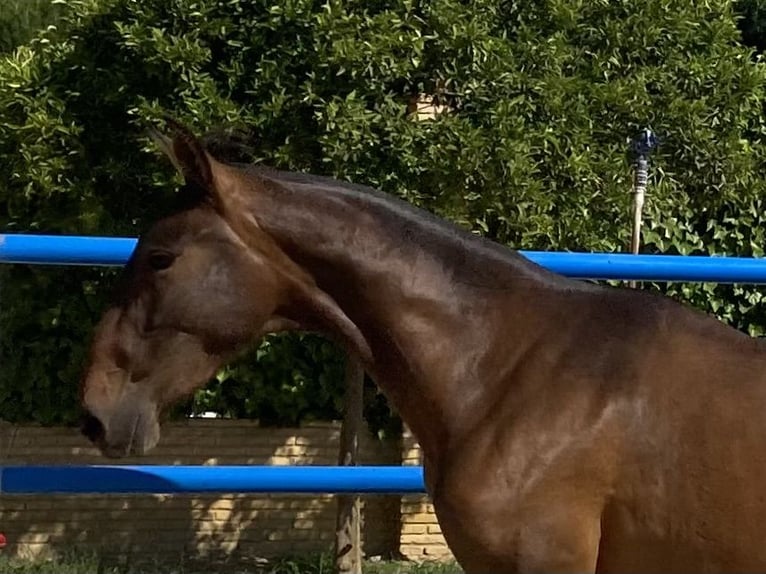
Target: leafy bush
{"points": [[539, 99], [20, 20], [752, 22]]}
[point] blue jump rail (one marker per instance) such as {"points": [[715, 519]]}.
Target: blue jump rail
{"points": [[80, 250], [104, 479], [65, 249]]}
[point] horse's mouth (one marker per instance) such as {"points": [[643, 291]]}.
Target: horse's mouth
{"points": [[119, 451], [93, 429]]}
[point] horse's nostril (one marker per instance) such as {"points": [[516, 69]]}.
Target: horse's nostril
{"points": [[92, 428]]}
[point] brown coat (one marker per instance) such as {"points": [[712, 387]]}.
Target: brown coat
{"points": [[566, 426]]}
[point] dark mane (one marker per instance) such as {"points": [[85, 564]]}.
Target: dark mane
{"points": [[407, 221]]}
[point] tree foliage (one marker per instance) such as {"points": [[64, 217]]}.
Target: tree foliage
{"points": [[752, 22], [531, 149], [20, 20]]}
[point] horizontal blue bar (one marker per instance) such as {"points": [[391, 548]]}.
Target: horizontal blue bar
{"points": [[629, 267], [65, 249], [79, 250], [105, 479]]}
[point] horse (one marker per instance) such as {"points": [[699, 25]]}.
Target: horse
{"points": [[566, 426]]}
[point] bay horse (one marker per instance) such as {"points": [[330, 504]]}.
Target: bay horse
{"points": [[566, 426]]}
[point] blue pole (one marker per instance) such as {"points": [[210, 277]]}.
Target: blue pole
{"points": [[78, 250], [99, 479], [65, 249], [626, 266]]}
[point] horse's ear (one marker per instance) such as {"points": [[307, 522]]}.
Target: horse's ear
{"points": [[186, 153]]}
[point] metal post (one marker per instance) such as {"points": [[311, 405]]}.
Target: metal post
{"points": [[642, 146]]}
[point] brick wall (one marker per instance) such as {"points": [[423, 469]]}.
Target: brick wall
{"points": [[192, 527]]}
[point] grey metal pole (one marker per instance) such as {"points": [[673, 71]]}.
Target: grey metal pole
{"points": [[642, 146]]}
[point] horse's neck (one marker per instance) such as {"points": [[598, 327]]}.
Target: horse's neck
{"points": [[430, 323]]}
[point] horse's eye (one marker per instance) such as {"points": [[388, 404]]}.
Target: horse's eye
{"points": [[159, 260]]}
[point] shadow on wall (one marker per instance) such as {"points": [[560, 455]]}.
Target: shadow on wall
{"points": [[182, 528]]}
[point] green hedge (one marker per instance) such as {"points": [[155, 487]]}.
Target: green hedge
{"points": [[532, 152]]}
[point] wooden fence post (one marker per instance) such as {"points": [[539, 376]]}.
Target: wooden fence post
{"points": [[348, 535]]}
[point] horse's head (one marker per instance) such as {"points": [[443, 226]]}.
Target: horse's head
{"points": [[200, 284]]}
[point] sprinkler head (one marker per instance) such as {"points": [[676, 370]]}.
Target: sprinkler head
{"points": [[645, 142]]}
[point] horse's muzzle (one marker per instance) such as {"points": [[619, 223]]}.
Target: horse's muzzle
{"points": [[92, 428]]}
